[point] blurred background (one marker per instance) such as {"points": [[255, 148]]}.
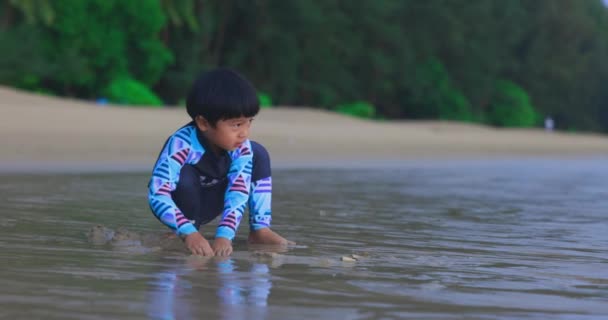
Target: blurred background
{"points": [[515, 63]]}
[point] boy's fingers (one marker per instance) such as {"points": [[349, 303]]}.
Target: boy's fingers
{"points": [[198, 250], [219, 252], [208, 251], [225, 252]]}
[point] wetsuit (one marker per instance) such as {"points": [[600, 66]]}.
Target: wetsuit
{"points": [[191, 184]]}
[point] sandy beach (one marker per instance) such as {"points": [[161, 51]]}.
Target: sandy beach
{"points": [[40, 133]]}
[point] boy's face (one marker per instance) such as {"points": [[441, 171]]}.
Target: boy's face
{"points": [[227, 134]]}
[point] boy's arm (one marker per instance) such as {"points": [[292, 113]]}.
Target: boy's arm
{"points": [[260, 204], [164, 180], [237, 192]]}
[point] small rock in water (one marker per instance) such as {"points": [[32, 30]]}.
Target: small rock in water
{"points": [[348, 259]]}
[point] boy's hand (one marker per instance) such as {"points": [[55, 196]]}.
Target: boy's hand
{"points": [[222, 247], [197, 244]]}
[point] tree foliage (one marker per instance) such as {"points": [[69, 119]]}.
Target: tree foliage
{"points": [[360, 109], [125, 90], [414, 59], [511, 107], [90, 44]]}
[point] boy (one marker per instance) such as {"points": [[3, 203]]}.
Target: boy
{"points": [[209, 167]]}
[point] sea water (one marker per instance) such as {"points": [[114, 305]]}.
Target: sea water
{"points": [[517, 239]]}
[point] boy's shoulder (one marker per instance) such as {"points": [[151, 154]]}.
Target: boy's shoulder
{"points": [[185, 138], [187, 128], [185, 134]]}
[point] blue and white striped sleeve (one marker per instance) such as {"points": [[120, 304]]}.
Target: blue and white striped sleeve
{"points": [[165, 176], [237, 192]]}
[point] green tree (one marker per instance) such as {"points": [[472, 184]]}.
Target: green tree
{"points": [[360, 109], [511, 107], [101, 40], [125, 90], [34, 11], [180, 13], [325, 53], [565, 80], [433, 96], [22, 64]]}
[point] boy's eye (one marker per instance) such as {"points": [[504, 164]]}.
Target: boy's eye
{"points": [[241, 123]]}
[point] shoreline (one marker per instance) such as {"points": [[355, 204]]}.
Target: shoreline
{"points": [[36, 168], [50, 134]]}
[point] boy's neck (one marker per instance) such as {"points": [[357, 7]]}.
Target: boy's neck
{"points": [[208, 145]]}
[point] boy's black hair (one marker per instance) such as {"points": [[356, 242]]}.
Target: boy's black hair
{"points": [[222, 94]]}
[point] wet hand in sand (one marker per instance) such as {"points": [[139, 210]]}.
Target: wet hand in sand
{"points": [[222, 247], [197, 244]]}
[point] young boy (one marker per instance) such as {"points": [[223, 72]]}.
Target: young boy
{"points": [[209, 167]]}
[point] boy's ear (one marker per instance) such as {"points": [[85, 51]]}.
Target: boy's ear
{"points": [[202, 123]]}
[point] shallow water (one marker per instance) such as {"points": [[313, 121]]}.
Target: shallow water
{"points": [[521, 239]]}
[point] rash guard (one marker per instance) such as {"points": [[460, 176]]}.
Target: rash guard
{"points": [[188, 146]]}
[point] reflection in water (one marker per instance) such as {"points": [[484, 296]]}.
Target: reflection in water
{"points": [[251, 291], [164, 301], [237, 291]]}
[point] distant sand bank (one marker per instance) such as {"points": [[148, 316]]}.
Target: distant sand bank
{"points": [[39, 133]]}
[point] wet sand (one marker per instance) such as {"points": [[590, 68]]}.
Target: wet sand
{"points": [[40, 133]]}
